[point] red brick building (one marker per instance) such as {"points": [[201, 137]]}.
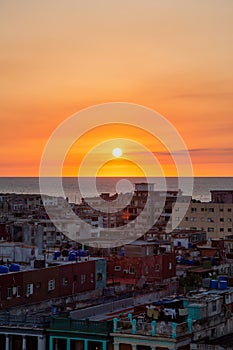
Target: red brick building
{"points": [[35, 285], [149, 268]]}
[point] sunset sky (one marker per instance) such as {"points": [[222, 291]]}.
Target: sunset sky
{"points": [[173, 56]]}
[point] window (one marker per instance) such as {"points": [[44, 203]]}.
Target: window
{"points": [[38, 285], [202, 209], [220, 209], [170, 266], [92, 277], [229, 229], [29, 289], [177, 209], [146, 269], [211, 210], [210, 229], [221, 219], [132, 269], [16, 291], [210, 220], [65, 281], [193, 210], [117, 268], [9, 293], [229, 210], [214, 305], [193, 219], [186, 219], [99, 276], [157, 267], [195, 238], [83, 278], [221, 229], [51, 285], [228, 219], [212, 332], [202, 218]]}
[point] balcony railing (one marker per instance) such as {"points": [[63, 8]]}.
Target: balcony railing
{"points": [[160, 329], [82, 326]]}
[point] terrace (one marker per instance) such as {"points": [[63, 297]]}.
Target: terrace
{"points": [[141, 326]]}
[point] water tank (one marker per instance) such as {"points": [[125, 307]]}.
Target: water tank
{"points": [[214, 284], [222, 278], [57, 254], [189, 262], [72, 255], [222, 285], [82, 252], [4, 269], [179, 244], [14, 268]]}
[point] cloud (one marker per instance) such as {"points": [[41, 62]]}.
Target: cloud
{"points": [[204, 155], [202, 95]]}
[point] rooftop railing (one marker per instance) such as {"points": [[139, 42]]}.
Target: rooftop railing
{"points": [[82, 326]]}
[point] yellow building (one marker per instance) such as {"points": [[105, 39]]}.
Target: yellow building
{"points": [[214, 217]]}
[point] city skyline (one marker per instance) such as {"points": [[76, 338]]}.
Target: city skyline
{"points": [[174, 57]]}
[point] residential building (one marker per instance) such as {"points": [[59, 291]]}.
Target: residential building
{"points": [[141, 262], [63, 279], [214, 217]]}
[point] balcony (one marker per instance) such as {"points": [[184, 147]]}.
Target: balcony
{"points": [[157, 329]]}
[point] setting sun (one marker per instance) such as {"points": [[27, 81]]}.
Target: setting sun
{"points": [[117, 152]]}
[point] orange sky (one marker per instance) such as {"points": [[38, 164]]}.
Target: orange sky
{"points": [[174, 56]]}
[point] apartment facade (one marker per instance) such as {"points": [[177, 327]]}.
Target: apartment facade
{"points": [[214, 218], [62, 280]]}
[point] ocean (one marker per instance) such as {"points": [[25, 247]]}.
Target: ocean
{"points": [[30, 185]]}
